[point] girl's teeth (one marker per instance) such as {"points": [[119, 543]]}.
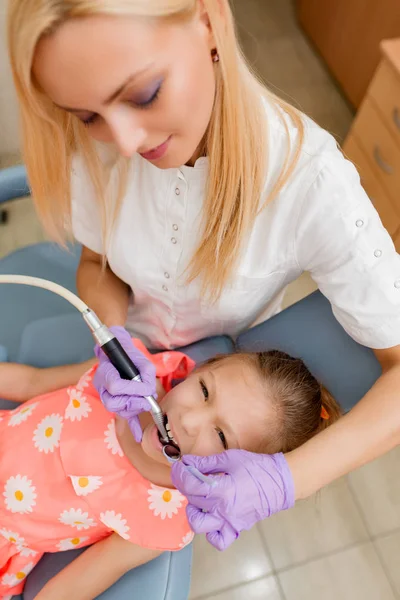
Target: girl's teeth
{"points": [[167, 427]]}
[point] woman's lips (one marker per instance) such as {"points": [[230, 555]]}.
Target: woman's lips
{"points": [[156, 153]]}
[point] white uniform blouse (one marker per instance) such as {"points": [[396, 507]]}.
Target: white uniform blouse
{"points": [[321, 222]]}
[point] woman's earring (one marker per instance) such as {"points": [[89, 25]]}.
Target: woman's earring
{"points": [[215, 55]]}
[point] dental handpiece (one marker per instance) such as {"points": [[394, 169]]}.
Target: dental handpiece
{"points": [[105, 339], [116, 354], [121, 361]]}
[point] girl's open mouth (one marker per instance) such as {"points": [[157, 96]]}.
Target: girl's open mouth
{"points": [[173, 447]]}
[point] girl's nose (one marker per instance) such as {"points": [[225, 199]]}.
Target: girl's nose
{"points": [[194, 420]]}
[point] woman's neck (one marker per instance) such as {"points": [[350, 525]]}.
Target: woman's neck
{"points": [[152, 470]]}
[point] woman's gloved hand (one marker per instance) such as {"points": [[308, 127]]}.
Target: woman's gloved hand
{"points": [[249, 488], [120, 396]]}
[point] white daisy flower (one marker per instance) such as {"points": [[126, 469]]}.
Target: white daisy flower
{"points": [[76, 518], [116, 523], [12, 579], [19, 494], [86, 485], [85, 380], [21, 415], [186, 539], [71, 543], [12, 537], [164, 502], [26, 552], [47, 434], [78, 407], [111, 439]]}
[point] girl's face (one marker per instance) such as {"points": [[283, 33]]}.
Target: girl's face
{"points": [[216, 408], [145, 86]]}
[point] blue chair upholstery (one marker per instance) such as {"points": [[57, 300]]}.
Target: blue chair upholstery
{"points": [[307, 329], [13, 183]]}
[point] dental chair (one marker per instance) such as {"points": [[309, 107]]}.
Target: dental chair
{"points": [[41, 329]]}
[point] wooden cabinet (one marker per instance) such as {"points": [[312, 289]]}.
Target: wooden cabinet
{"points": [[347, 34], [373, 143]]}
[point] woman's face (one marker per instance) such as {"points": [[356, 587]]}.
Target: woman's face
{"points": [[216, 408], [145, 86]]}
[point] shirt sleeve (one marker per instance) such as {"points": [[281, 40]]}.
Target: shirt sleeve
{"points": [[341, 241], [86, 219]]}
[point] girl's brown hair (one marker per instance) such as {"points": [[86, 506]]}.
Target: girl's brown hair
{"points": [[303, 407]]}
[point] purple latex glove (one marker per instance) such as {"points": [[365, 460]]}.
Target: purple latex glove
{"points": [[120, 396], [250, 488]]}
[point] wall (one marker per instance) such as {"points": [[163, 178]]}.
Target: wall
{"points": [[9, 138]]}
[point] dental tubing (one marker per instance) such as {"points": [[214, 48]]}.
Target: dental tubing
{"points": [[104, 338]]}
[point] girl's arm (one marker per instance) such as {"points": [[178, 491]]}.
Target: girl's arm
{"points": [[96, 570], [20, 383]]}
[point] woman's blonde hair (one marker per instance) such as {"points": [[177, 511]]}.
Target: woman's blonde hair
{"points": [[236, 141]]}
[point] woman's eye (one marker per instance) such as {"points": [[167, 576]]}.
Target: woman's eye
{"points": [[89, 120], [204, 389], [223, 439], [146, 101]]}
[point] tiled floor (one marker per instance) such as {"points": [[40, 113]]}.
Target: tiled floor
{"points": [[345, 541]]}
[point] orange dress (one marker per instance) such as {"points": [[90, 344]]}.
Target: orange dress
{"points": [[65, 482]]}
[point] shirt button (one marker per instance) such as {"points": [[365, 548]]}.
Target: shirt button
{"points": [[164, 287], [177, 191], [167, 275], [397, 284], [174, 240], [378, 253], [359, 223], [175, 227]]}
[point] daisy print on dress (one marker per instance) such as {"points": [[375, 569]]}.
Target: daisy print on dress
{"points": [[12, 579], [78, 407], [164, 502], [13, 537], [26, 552], [85, 380], [19, 494], [111, 439], [21, 415], [186, 539], [76, 518], [46, 437], [116, 523], [86, 485], [71, 543]]}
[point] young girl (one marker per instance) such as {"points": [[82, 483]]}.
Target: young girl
{"points": [[73, 474]]}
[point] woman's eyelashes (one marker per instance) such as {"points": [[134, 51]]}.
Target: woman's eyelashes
{"points": [[220, 433], [148, 98], [141, 101]]}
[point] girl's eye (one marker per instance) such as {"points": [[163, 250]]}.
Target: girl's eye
{"points": [[222, 438], [204, 389]]}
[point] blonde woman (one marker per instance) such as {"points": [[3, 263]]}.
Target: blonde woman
{"points": [[198, 196]]}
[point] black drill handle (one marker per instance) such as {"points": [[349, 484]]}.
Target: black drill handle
{"points": [[120, 360]]}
